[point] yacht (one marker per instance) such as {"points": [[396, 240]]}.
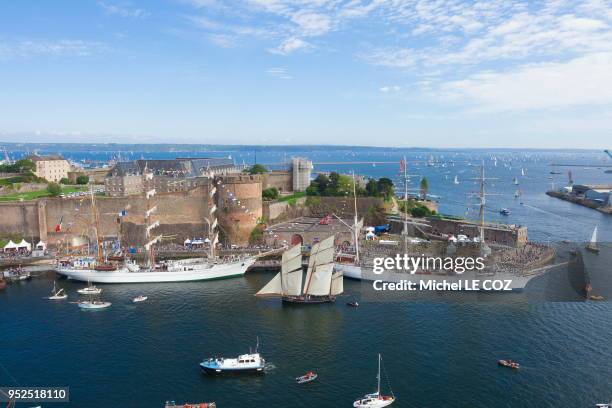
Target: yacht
{"points": [[376, 399], [93, 304], [245, 363], [90, 290]]}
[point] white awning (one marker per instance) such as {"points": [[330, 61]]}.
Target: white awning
{"points": [[24, 244], [41, 245], [10, 245]]}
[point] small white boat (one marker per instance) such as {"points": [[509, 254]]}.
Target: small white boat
{"points": [[306, 378], [609, 405], [90, 290], [592, 245], [57, 294], [375, 400], [140, 298], [93, 304], [456, 181], [245, 363]]}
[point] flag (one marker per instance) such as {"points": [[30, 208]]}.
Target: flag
{"points": [[402, 165], [58, 227]]}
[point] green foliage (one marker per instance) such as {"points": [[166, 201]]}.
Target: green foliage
{"points": [[424, 188], [258, 169], [385, 187], [20, 166], [256, 235], [269, 194], [82, 179], [294, 196], [54, 189], [64, 180], [312, 201], [415, 208], [342, 185]]}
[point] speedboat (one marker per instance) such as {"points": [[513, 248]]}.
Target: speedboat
{"points": [[376, 399], [93, 304], [504, 211], [609, 405], [140, 298], [308, 377], [245, 363], [57, 294], [353, 304], [90, 290], [509, 363]]}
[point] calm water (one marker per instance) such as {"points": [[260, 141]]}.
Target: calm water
{"points": [[439, 350]]}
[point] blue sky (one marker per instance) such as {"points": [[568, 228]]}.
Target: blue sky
{"points": [[436, 73]]}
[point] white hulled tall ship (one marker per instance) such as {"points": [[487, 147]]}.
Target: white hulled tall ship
{"points": [[100, 270], [321, 284]]}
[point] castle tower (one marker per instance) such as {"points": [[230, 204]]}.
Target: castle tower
{"points": [[301, 173]]}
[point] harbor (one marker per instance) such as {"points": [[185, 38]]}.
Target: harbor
{"points": [[179, 325]]}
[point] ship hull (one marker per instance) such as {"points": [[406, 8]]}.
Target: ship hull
{"points": [[221, 371], [517, 282], [305, 300], [124, 275]]}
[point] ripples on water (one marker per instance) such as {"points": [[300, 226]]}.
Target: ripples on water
{"points": [[440, 351]]}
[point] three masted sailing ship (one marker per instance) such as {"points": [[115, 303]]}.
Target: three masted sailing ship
{"points": [[320, 285]]}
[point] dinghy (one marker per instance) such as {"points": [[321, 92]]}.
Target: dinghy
{"points": [[306, 378]]}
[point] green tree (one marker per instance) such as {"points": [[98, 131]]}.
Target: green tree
{"points": [[420, 211], [54, 189], [258, 169], [371, 188], [424, 188], [64, 180], [385, 187], [269, 194], [82, 179]]}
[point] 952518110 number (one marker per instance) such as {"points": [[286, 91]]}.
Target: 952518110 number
{"points": [[34, 394]]}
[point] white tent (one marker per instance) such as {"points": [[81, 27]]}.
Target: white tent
{"points": [[207, 241], [24, 245], [187, 242], [41, 246], [11, 246]]}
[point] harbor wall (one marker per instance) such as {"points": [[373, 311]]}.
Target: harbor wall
{"points": [[181, 215], [273, 211], [239, 205]]}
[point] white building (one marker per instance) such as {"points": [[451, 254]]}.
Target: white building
{"points": [[301, 173], [51, 168]]}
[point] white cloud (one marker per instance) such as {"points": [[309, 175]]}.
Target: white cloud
{"points": [[388, 89], [583, 81], [280, 73], [30, 48], [291, 45], [122, 10]]}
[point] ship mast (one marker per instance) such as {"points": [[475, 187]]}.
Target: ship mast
{"points": [[482, 194], [355, 221], [149, 225], [378, 377], [96, 223]]}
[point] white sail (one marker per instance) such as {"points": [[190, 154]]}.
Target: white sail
{"points": [[320, 280], [291, 271], [594, 237], [337, 284], [456, 180], [321, 257], [273, 288]]}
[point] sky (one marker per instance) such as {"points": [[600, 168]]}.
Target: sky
{"points": [[402, 73]]}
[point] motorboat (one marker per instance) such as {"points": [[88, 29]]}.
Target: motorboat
{"points": [[245, 363], [173, 404], [376, 399], [93, 304], [90, 290], [140, 298], [57, 294], [306, 378], [504, 211], [353, 304], [16, 274], [509, 363]]}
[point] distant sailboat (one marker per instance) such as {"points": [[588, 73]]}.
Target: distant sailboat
{"points": [[517, 193], [515, 181], [57, 294], [456, 180], [321, 284], [375, 400], [592, 245], [523, 172]]}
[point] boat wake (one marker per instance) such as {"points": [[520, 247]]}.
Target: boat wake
{"points": [[269, 367]]}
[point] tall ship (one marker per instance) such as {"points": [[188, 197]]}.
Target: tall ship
{"points": [[321, 283], [101, 269], [360, 266]]}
